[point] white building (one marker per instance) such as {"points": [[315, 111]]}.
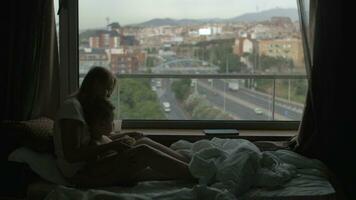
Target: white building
{"points": [[177, 39], [205, 31], [260, 32], [216, 30], [166, 53], [247, 46], [89, 57], [243, 45]]}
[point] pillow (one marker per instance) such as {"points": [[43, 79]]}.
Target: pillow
{"points": [[39, 134], [43, 164], [10, 138], [36, 134]]}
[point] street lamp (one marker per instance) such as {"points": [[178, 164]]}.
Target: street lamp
{"points": [[288, 90], [227, 70], [270, 101], [118, 121], [195, 85], [290, 70]]}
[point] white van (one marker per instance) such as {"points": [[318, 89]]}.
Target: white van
{"points": [[234, 86], [166, 106]]}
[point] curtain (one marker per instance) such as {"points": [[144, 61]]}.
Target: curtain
{"points": [[30, 78], [47, 93], [326, 131], [307, 10]]}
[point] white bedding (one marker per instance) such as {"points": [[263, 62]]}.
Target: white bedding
{"points": [[226, 169], [43, 164]]}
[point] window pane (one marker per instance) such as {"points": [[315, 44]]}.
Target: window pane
{"points": [[197, 37], [208, 99], [290, 97]]}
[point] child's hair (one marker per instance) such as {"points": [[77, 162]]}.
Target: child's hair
{"points": [[97, 75], [98, 109]]}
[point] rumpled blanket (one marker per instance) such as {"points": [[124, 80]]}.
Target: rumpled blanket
{"points": [[227, 169], [234, 164]]}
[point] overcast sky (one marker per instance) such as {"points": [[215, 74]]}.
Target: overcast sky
{"points": [[93, 13]]}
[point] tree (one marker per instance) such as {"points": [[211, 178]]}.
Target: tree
{"points": [[278, 63], [200, 108], [181, 88], [150, 61], [151, 50], [138, 101], [220, 52], [234, 64], [192, 101]]}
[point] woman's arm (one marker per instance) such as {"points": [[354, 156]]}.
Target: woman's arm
{"points": [[134, 134], [74, 152]]}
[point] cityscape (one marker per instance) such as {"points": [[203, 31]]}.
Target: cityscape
{"points": [[268, 46]]}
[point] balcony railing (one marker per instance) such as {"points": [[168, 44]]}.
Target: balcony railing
{"points": [[298, 107], [273, 122]]}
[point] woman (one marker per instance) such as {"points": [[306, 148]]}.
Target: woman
{"points": [[77, 159]]}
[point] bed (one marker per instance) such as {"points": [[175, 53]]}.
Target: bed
{"points": [[226, 169]]}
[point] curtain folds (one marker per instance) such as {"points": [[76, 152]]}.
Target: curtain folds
{"points": [[324, 94], [308, 12], [47, 97], [30, 78], [326, 131]]}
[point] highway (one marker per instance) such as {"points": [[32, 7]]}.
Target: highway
{"points": [[165, 94], [240, 104], [250, 100]]}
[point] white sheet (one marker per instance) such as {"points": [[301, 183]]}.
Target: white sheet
{"points": [[43, 164], [226, 169]]}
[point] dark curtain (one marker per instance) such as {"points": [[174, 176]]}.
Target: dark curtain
{"points": [[327, 131], [29, 77]]}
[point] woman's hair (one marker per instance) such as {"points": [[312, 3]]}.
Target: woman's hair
{"points": [[98, 109], [97, 76]]}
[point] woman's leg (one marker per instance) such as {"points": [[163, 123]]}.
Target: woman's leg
{"points": [[163, 148], [160, 162], [114, 170], [131, 166]]}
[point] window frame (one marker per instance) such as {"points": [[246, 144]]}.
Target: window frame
{"points": [[69, 62]]}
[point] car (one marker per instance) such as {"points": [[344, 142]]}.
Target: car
{"points": [[258, 111], [166, 106]]}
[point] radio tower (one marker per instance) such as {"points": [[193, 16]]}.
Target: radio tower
{"points": [[107, 22]]}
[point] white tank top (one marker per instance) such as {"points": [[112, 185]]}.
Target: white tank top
{"points": [[70, 109]]}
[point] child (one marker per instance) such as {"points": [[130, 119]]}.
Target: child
{"points": [[99, 116]]}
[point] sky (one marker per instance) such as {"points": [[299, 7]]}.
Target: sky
{"points": [[94, 13]]}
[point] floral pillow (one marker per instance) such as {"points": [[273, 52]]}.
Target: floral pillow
{"points": [[36, 134]]}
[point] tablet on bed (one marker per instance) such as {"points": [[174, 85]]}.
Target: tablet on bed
{"points": [[221, 132]]}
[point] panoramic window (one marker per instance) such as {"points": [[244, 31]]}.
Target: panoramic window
{"points": [[197, 59]]}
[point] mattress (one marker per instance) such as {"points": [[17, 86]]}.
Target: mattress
{"points": [[226, 169], [177, 190]]}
